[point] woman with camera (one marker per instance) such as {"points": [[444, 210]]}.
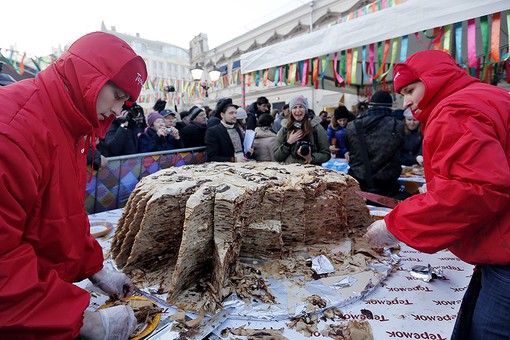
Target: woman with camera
{"points": [[158, 137], [303, 140]]}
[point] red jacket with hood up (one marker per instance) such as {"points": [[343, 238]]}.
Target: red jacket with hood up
{"points": [[466, 152], [45, 241]]}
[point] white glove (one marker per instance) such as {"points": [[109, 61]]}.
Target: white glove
{"points": [[114, 323], [116, 284], [423, 188], [419, 159], [378, 235]]}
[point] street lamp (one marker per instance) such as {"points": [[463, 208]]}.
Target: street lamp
{"points": [[198, 71]]}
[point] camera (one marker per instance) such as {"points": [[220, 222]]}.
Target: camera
{"points": [[305, 146]]}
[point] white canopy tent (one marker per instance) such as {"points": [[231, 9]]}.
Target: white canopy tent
{"points": [[407, 18]]}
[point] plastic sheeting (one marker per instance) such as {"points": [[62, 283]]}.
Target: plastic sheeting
{"points": [[407, 18]]}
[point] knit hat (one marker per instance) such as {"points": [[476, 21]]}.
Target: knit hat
{"points": [[299, 100], [195, 112], [152, 118], [403, 75], [184, 114], [241, 113], [408, 113], [381, 99], [167, 112], [341, 112]]}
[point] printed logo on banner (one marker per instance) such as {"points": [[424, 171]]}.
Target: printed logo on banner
{"points": [[415, 335], [409, 289]]}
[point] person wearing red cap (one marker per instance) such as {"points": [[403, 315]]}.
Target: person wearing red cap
{"points": [[466, 208], [47, 125]]}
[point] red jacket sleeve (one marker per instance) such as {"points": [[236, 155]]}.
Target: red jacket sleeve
{"points": [[32, 306], [468, 185]]}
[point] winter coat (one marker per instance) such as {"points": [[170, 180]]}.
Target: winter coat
{"points": [[384, 136], [219, 146], [466, 154], [45, 241], [263, 144], [119, 141], [338, 134], [253, 116], [149, 141], [318, 138], [411, 148], [193, 135]]}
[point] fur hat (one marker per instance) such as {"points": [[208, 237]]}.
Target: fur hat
{"points": [[381, 99], [299, 100], [341, 112], [221, 105], [403, 75], [241, 113], [151, 118]]}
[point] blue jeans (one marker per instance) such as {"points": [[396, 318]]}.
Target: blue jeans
{"points": [[485, 309]]}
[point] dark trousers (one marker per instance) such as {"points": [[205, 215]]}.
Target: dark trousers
{"points": [[484, 312]]}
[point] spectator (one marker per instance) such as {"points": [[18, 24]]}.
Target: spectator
{"points": [[215, 117], [169, 117], [325, 120], [182, 119], [336, 130], [241, 118], [281, 118], [122, 136], [374, 140], [224, 141], [257, 108], [303, 140], [265, 139], [158, 137], [466, 207], [193, 134], [411, 150], [45, 233]]}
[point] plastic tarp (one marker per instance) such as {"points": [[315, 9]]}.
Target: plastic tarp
{"points": [[407, 18]]}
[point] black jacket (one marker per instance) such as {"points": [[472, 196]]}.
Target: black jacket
{"points": [[193, 135], [119, 141], [384, 137], [219, 147]]}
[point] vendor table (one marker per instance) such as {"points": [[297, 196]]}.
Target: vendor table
{"points": [[402, 307]]}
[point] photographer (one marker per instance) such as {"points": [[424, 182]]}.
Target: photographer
{"points": [[122, 136], [303, 140], [158, 137]]}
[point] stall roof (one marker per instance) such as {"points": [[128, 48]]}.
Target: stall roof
{"points": [[406, 18]]}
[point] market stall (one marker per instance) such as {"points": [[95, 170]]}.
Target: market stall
{"points": [[361, 52]]}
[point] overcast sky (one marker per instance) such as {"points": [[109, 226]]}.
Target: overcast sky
{"points": [[36, 26]]}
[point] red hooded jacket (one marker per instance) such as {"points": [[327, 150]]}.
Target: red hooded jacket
{"points": [[466, 152], [45, 241]]}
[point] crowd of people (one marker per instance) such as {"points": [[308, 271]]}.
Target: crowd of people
{"points": [[273, 135]]}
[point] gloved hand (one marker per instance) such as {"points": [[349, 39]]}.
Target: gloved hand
{"points": [[114, 323], [378, 235], [116, 284]]}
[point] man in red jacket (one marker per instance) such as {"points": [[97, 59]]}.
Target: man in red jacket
{"points": [[466, 155], [47, 125]]}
